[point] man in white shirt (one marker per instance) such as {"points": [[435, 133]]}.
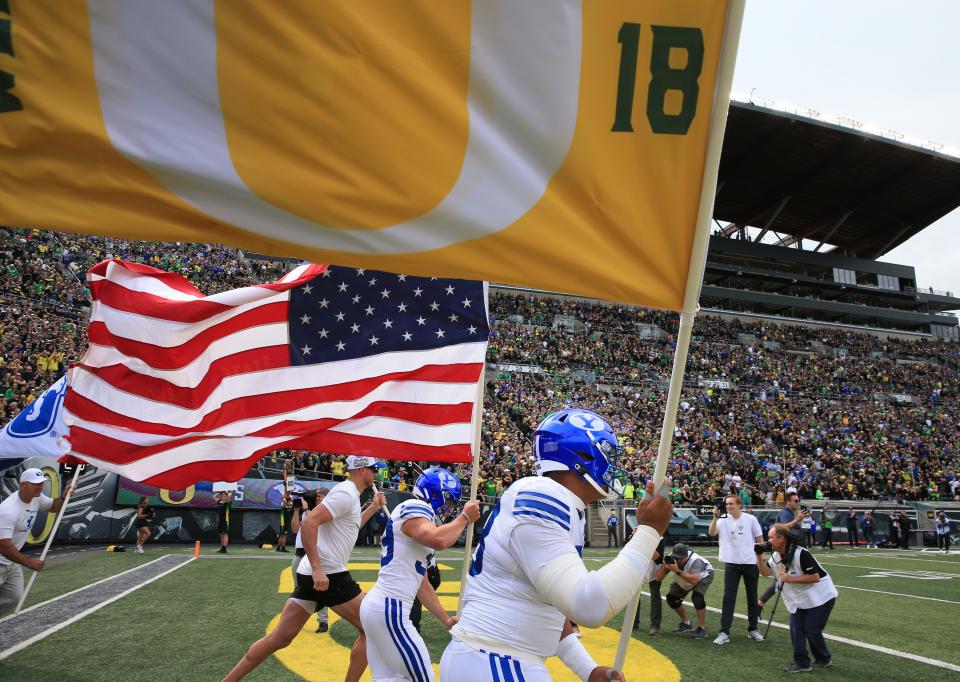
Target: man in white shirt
{"points": [[738, 533], [527, 580], [17, 514], [329, 533]]}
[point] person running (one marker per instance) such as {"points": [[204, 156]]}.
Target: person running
{"points": [[395, 649], [329, 533], [144, 519]]}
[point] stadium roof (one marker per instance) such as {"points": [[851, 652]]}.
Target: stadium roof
{"points": [[803, 178]]}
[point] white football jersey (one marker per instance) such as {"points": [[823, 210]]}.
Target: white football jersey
{"points": [[536, 520], [403, 560]]}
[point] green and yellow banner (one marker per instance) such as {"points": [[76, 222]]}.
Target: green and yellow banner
{"points": [[551, 144]]}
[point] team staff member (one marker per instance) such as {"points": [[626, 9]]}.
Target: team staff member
{"points": [[691, 573], [329, 533], [808, 593], [144, 517], [612, 522], [738, 532], [224, 500], [942, 528], [395, 649], [17, 514]]}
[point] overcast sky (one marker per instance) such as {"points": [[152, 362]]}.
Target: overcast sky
{"points": [[895, 65]]}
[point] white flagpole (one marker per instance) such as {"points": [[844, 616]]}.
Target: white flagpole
{"points": [[698, 259], [53, 533], [474, 481]]}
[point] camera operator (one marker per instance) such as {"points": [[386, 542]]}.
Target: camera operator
{"points": [[791, 515], [306, 503], [738, 533], [692, 573], [807, 591]]}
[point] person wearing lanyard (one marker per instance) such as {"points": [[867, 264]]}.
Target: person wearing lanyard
{"points": [[738, 533]]}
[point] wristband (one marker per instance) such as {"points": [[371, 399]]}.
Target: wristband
{"points": [[573, 654]]}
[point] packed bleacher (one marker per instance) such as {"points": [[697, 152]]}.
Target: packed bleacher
{"points": [[837, 413]]}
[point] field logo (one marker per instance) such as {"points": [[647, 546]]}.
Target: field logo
{"points": [[914, 575]]}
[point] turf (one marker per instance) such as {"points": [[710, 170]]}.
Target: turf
{"points": [[196, 622]]}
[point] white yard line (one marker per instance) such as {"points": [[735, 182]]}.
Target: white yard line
{"points": [[80, 589], [59, 626], [857, 643], [897, 594]]}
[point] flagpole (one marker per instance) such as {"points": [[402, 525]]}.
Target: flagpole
{"points": [[698, 259], [53, 533], [474, 482]]}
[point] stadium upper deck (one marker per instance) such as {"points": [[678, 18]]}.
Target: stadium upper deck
{"points": [[835, 199]]}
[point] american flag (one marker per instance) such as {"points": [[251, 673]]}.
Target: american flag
{"points": [[178, 387]]}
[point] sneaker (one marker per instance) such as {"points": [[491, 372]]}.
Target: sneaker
{"points": [[700, 633], [796, 668], [139, 550], [322, 627], [683, 627], [754, 635], [722, 638], [222, 550], [822, 664], [654, 632]]}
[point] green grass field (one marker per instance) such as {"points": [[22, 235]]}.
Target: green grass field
{"points": [[194, 623]]}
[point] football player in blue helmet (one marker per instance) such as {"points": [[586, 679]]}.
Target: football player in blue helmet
{"points": [[583, 442], [441, 489]]}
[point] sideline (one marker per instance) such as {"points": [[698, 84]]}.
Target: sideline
{"points": [[86, 612], [854, 642]]}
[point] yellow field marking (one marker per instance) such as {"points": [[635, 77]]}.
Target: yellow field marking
{"points": [[320, 658]]}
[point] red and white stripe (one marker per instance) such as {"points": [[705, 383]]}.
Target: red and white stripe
{"points": [[178, 387]]}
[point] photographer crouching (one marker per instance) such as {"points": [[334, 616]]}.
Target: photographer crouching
{"points": [[807, 591], [691, 573]]}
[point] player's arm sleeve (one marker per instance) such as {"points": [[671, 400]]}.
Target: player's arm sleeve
{"points": [[589, 598], [45, 502]]}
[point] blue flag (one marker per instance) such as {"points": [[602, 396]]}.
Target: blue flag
{"points": [[37, 430]]}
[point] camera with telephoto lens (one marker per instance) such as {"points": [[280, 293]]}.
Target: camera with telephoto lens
{"points": [[668, 559], [765, 547]]}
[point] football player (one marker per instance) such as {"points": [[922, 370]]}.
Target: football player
{"points": [[528, 581], [395, 650]]}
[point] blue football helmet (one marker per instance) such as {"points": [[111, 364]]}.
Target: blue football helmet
{"points": [[580, 441], [441, 489]]}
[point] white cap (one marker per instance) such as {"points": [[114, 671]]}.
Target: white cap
{"points": [[358, 462], [33, 476]]}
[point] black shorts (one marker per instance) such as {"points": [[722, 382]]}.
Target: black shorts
{"points": [[342, 589], [142, 524], [223, 527]]}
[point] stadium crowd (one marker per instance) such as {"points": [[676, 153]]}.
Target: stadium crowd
{"points": [[836, 413]]}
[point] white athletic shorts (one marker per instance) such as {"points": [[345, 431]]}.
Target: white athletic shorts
{"points": [[395, 650], [463, 663]]}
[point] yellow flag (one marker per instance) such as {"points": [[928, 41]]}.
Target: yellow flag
{"points": [[552, 144]]}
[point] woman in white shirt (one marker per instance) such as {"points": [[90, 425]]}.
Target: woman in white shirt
{"points": [[808, 593]]}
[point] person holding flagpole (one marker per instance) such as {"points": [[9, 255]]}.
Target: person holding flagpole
{"points": [[329, 533], [17, 514], [528, 583]]}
